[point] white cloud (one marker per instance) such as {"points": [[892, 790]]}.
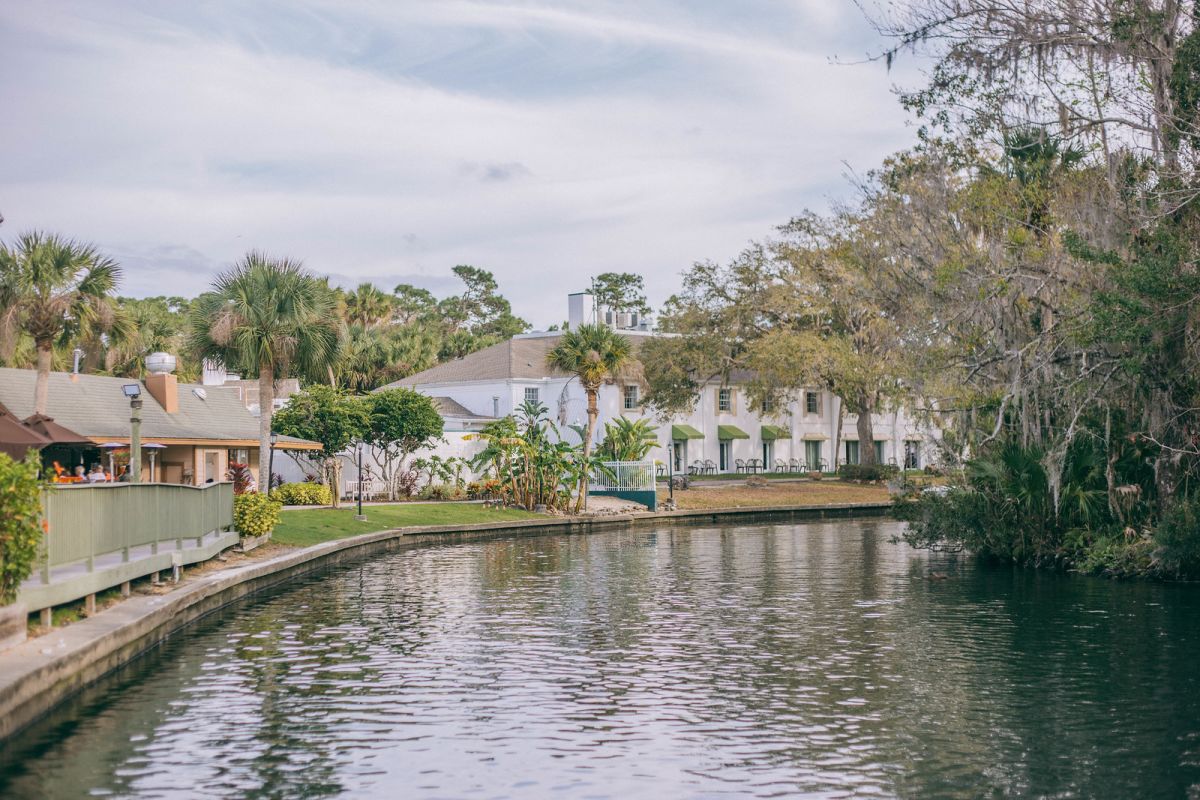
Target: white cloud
{"points": [[384, 141]]}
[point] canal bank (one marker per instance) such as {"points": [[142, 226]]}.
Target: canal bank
{"points": [[43, 672]]}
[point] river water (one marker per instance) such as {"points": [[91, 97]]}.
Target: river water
{"points": [[743, 661]]}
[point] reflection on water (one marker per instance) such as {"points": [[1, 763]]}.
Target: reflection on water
{"points": [[760, 661]]}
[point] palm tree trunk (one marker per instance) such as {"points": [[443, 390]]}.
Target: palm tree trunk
{"points": [[593, 411], [41, 389], [266, 409]]}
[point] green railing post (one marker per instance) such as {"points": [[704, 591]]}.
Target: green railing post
{"points": [[126, 527], [91, 561], [45, 536], [157, 521]]}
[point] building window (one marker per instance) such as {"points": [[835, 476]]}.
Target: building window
{"points": [[725, 446], [812, 402], [878, 451], [812, 456], [851, 452], [912, 455], [631, 398], [725, 401], [531, 394], [768, 405]]}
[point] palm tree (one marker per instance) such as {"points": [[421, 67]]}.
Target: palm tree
{"points": [[368, 307], [591, 353], [53, 288], [270, 318]]}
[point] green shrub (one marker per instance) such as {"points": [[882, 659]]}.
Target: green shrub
{"points": [[20, 524], [439, 491], [303, 494], [867, 472], [255, 514], [1117, 556], [1178, 539]]}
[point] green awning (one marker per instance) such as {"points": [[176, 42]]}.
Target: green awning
{"points": [[725, 432], [772, 432], [685, 432]]}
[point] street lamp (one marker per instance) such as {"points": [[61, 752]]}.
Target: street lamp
{"points": [[134, 392], [271, 460], [361, 517]]}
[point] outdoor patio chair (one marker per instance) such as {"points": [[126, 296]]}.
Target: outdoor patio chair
{"points": [[739, 465], [696, 468], [795, 466], [755, 465], [780, 465], [709, 467]]}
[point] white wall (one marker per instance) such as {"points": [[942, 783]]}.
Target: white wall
{"points": [[893, 427]]}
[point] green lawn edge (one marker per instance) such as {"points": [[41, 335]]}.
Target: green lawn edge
{"points": [[309, 526]]}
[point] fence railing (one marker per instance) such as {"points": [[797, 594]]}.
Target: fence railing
{"points": [[108, 522], [628, 476]]}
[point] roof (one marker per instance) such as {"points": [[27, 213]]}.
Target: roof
{"points": [[516, 358], [449, 407], [519, 358], [94, 406], [524, 358]]}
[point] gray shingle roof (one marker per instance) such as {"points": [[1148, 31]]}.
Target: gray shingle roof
{"points": [[449, 407], [93, 405], [516, 358]]}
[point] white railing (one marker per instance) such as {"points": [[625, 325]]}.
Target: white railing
{"points": [[636, 476], [370, 489]]}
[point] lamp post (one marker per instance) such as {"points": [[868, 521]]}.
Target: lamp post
{"points": [[271, 460], [361, 517], [671, 472], [134, 392]]}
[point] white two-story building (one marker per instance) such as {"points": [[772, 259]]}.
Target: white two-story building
{"points": [[723, 433]]}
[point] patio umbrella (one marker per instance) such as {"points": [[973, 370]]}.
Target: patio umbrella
{"points": [[56, 433], [16, 438]]}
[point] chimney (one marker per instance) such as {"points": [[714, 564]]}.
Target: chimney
{"points": [[580, 309], [160, 383]]}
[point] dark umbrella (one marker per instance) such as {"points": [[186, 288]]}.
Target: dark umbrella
{"points": [[56, 433], [16, 438]]}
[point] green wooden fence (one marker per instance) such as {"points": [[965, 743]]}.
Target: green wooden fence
{"points": [[100, 536]]}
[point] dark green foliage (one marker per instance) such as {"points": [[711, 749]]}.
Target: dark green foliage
{"points": [[20, 523], [1178, 537], [867, 472], [325, 415]]}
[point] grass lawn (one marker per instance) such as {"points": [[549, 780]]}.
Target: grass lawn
{"points": [[303, 527], [810, 493]]}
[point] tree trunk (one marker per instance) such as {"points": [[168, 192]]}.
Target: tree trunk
{"points": [[593, 412], [866, 439], [837, 435], [266, 409], [334, 471], [41, 388]]}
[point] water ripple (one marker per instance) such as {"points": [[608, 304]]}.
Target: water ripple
{"points": [[760, 661]]}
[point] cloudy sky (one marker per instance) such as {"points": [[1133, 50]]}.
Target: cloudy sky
{"points": [[388, 140]]}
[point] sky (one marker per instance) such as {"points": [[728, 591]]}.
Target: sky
{"points": [[389, 140]]}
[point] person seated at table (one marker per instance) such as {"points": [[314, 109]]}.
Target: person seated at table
{"points": [[123, 474], [80, 473], [96, 475]]}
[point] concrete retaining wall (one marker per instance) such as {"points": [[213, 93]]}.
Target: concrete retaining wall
{"points": [[39, 674]]}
